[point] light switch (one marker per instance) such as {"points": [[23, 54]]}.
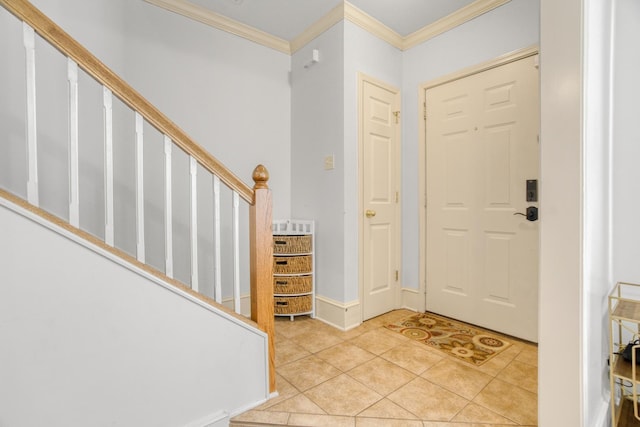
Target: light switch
{"points": [[328, 163]]}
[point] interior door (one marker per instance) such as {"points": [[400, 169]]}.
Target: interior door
{"points": [[380, 197], [482, 148]]}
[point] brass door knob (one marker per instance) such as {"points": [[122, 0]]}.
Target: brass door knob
{"points": [[370, 214]]}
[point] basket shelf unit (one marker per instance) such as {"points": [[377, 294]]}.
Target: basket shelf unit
{"points": [[624, 320], [294, 268]]}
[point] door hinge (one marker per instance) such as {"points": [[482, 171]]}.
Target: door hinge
{"points": [[424, 109], [397, 196], [397, 114], [397, 274]]}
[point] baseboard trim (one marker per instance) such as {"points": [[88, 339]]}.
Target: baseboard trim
{"points": [[217, 419], [603, 417], [343, 316]]}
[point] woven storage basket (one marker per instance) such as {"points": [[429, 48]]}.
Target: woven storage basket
{"points": [[292, 305], [292, 244], [292, 264], [292, 285]]}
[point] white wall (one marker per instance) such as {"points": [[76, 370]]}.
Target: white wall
{"points": [[87, 342], [232, 95], [317, 131], [626, 142], [597, 266], [510, 27]]}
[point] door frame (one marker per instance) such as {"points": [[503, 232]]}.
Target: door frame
{"points": [[362, 78], [422, 148]]}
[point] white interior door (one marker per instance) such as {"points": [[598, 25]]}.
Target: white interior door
{"points": [[380, 195], [482, 147]]}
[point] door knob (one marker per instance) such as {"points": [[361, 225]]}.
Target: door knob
{"points": [[370, 214], [532, 213]]}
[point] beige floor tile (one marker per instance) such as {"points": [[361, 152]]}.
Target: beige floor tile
{"points": [[317, 340], [356, 332], [419, 402], [529, 355], [412, 357], [269, 418], [440, 424], [473, 413], [345, 356], [381, 375], [308, 420], [509, 401], [378, 341], [377, 422], [279, 338], [387, 409], [343, 396], [285, 391], [428, 401], [457, 378], [521, 374], [299, 404], [392, 317], [288, 351], [289, 329], [308, 372], [498, 363]]}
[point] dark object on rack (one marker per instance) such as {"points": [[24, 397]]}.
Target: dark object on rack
{"points": [[626, 353]]}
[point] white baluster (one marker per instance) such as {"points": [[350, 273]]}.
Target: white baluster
{"points": [[168, 210], [236, 252], [139, 189], [74, 186], [107, 106], [32, 129], [193, 169], [217, 256]]}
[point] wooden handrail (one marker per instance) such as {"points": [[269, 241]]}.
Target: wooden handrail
{"points": [[62, 41]]}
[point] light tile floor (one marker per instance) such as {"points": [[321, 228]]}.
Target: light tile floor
{"points": [[370, 376]]}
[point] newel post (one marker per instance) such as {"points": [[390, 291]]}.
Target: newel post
{"points": [[261, 258]]}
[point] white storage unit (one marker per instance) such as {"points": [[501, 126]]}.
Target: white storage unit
{"points": [[294, 268]]}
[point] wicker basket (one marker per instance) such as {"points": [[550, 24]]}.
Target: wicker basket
{"points": [[292, 305], [292, 244], [292, 285], [292, 264]]}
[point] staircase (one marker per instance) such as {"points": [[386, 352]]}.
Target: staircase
{"points": [[94, 330]]}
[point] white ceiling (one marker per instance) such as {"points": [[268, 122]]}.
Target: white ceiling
{"points": [[289, 18]]}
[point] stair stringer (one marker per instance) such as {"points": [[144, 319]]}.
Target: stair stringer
{"points": [[87, 339]]}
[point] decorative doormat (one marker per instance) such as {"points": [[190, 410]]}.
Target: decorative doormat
{"points": [[454, 338]]}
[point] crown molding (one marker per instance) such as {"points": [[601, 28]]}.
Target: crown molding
{"points": [[344, 11], [205, 16], [372, 25], [450, 21], [320, 26]]}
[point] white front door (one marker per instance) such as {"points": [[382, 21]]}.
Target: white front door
{"points": [[482, 147], [380, 197]]}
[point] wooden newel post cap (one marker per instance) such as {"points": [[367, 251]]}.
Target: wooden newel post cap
{"points": [[260, 177]]}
